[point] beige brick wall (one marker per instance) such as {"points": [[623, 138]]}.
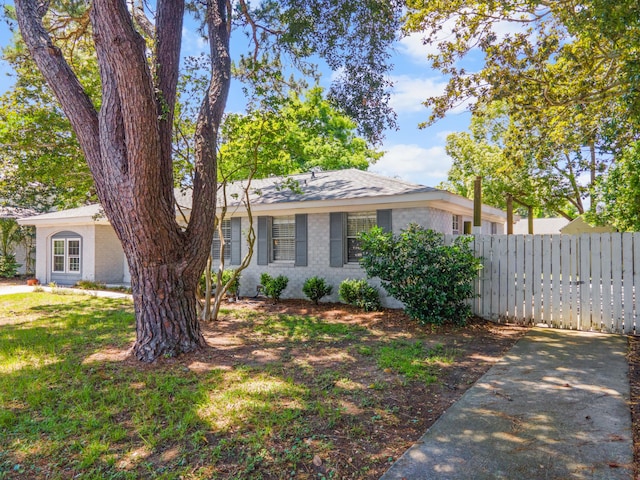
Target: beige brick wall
{"points": [[109, 260]]}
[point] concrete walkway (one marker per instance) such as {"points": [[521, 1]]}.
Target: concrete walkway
{"points": [[8, 289], [555, 407]]}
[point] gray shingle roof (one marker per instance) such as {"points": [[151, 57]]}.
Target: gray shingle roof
{"points": [[336, 185], [93, 210], [332, 185]]}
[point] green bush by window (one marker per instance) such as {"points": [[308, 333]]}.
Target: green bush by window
{"points": [[432, 279]]}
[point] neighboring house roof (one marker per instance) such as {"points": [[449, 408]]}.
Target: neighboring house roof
{"points": [[16, 212], [540, 225], [346, 190], [578, 225]]}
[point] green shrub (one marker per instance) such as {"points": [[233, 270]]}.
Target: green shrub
{"points": [[8, 266], [432, 279], [273, 287], [360, 294], [315, 288], [233, 289], [89, 285]]}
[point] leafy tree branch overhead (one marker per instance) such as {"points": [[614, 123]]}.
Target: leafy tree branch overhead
{"points": [[127, 140], [564, 73]]}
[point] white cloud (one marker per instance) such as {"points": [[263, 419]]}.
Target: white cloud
{"points": [[442, 135], [408, 93], [414, 47], [414, 163]]}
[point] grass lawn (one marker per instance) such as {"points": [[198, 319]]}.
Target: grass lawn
{"points": [[293, 391]]}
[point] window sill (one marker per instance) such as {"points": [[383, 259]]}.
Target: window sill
{"points": [[353, 265], [282, 263]]}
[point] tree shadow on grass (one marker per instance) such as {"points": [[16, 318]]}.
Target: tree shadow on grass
{"points": [[268, 398]]}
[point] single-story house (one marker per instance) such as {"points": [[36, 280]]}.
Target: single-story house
{"points": [[306, 225]]}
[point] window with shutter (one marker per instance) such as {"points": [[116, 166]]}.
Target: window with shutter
{"points": [[357, 223], [283, 239], [226, 235]]}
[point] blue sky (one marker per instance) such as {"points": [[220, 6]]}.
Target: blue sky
{"points": [[410, 153]]}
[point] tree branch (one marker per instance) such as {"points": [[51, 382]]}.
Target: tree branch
{"points": [[209, 120], [122, 51], [65, 84], [167, 47]]}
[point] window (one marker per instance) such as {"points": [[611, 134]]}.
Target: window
{"points": [[345, 229], [357, 223], [66, 255], [455, 224], [283, 239], [226, 235]]}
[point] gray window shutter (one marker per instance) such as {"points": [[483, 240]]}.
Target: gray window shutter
{"points": [[336, 239], [301, 240], [383, 220], [263, 240], [236, 241]]}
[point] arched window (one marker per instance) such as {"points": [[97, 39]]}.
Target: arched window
{"points": [[66, 249]]}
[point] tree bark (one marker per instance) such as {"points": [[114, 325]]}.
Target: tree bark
{"points": [[127, 145], [165, 303]]}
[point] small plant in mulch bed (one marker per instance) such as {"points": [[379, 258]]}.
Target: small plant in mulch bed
{"points": [[360, 294], [315, 288], [273, 286], [89, 285]]}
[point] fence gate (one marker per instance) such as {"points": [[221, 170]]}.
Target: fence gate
{"points": [[582, 282]]}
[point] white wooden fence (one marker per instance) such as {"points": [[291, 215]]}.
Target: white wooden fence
{"points": [[583, 282]]}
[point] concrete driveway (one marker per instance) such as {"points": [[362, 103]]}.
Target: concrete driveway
{"points": [[555, 407]]}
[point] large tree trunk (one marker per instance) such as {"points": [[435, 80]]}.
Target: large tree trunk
{"points": [[127, 145], [165, 305]]}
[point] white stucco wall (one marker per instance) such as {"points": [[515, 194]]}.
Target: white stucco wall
{"points": [[43, 245]]}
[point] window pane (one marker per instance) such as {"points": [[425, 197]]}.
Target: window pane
{"points": [[58, 263], [354, 252], [283, 249], [455, 224], [283, 238], [357, 223], [74, 247], [74, 264], [226, 234], [58, 247], [360, 222]]}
